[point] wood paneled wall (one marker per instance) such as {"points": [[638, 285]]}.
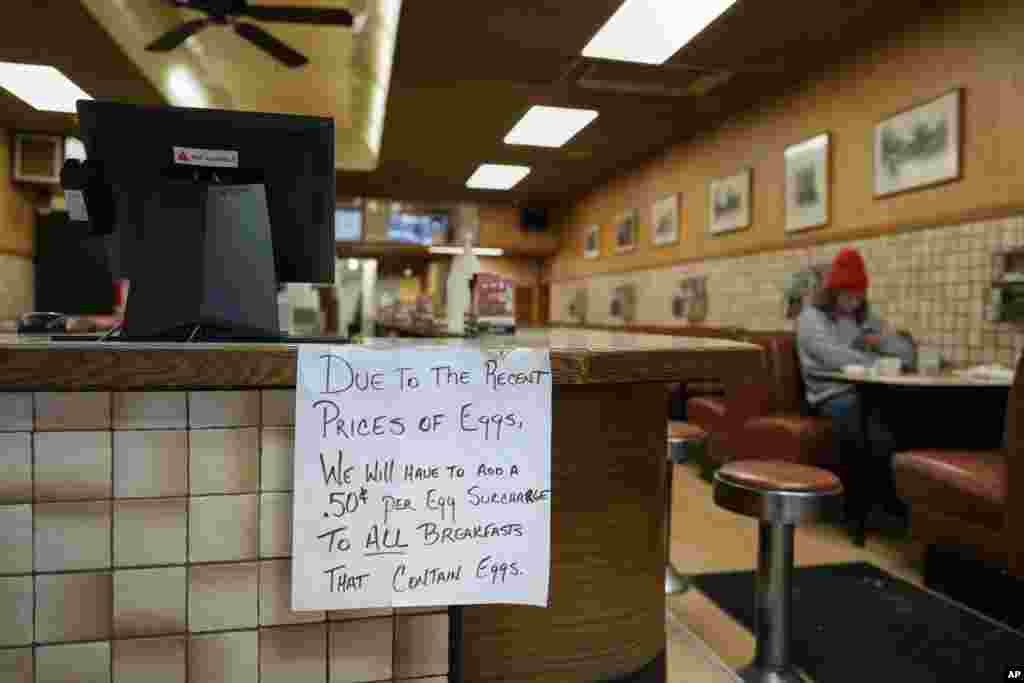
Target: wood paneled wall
{"points": [[977, 46], [500, 227], [17, 213]]}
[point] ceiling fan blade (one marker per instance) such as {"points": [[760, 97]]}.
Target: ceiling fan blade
{"points": [[270, 44], [300, 15], [173, 39]]}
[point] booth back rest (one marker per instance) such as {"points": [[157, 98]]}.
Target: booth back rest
{"points": [[1014, 452]]}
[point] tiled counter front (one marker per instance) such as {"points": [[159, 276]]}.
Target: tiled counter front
{"points": [[145, 536]]}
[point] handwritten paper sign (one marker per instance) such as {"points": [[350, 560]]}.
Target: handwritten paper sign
{"points": [[422, 477]]}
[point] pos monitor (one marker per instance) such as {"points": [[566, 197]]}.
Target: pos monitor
{"points": [[214, 209]]}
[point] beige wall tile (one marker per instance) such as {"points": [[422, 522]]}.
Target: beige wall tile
{"points": [[77, 410], [275, 596], [224, 460], [149, 660], [78, 662], [16, 606], [15, 539], [223, 408], [148, 532], [150, 464], [15, 412], [349, 614], [15, 467], [72, 465], [278, 407], [150, 410], [275, 524], [230, 657], [73, 607], [294, 654], [223, 528], [223, 596], [72, 536], [16, 665], [361, 650], [422, 645], [276, 465], [149, 602]]}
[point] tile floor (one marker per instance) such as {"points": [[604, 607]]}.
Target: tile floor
{"points": [[704, 643]]}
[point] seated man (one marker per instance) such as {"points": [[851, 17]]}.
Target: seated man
{"points": [[839, 329]]}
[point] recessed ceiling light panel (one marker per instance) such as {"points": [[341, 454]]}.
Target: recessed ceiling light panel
{"points": [[543, 126], [496, 176], [42, 87], [651, 31]]}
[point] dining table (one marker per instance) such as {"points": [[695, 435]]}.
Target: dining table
{"points": [[951, 408]]}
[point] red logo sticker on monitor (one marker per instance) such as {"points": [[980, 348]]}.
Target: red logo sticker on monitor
{"points": [[220, 158]]}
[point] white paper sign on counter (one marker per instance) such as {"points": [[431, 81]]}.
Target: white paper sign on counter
{"points": [[422, 477]]}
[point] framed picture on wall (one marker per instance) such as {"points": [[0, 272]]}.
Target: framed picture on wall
{"points": [[807, 183], [919, 147], [666, 220], [625, 231], [729, 203], [592, 241], [622, 305]]}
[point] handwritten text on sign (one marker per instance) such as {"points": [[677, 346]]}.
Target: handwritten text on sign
{"points": [[422, 477]]}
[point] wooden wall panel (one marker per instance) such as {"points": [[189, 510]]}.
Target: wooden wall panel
{"points": [[977, 47], [500, 227], [17, 213]]}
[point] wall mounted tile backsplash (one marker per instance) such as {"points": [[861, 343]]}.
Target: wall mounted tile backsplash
{"points": [[935, 283], [146, 536]]}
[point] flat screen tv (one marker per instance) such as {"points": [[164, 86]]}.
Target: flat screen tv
{"points": [[419, 228]]}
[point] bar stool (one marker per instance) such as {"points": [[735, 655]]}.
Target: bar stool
{"points": [[685, 441], [780, 495]]}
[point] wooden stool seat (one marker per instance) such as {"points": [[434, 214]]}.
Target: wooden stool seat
{"points": [[771, 475], [685, 431]]}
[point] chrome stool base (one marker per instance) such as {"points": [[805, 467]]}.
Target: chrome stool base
{"points": [[756, 674], [674, 581]]}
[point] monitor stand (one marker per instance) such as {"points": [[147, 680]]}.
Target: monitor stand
{"points": [[203, 265]]}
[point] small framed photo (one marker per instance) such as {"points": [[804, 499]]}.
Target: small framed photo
{"points": [[919, 147], [666, 220], [625, 231], [807, 183], [622, 305], [730, 203], [592, 241]]}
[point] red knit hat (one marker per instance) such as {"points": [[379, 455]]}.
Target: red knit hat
{"points": [[848, 272]]}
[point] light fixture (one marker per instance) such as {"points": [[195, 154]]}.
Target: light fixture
{"points": [[479, 251], [496, 176], [42, 87], [651, 31], [353, 264], [543, 126], [184, 88], [407, 272]]}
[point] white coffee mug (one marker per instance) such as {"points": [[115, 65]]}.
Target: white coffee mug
{"points": [[888, 367]]}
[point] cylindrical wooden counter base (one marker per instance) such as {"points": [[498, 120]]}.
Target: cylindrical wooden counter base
{"points": [[606, 614]]}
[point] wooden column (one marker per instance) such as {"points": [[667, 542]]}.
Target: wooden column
{"points": [[606, 615]]}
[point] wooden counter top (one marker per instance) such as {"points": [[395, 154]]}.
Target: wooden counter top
{"points": [[577, 357]]}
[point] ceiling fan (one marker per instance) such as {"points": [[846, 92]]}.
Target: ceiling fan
{"points": [[227, 12]]}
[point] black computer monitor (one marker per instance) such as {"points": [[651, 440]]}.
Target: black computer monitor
{"points": [[214, 210]]}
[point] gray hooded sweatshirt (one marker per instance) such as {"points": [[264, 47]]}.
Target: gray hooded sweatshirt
{"points": [[826, 345]]}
